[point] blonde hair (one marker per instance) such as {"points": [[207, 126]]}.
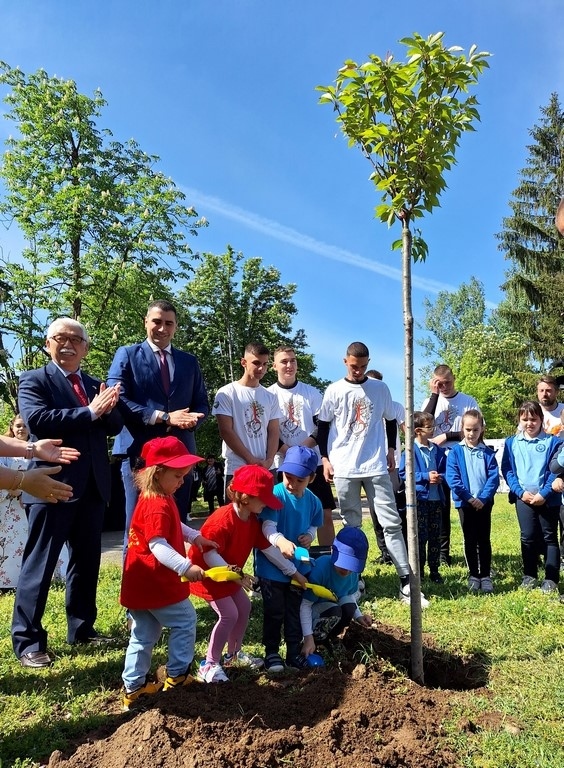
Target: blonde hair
{"points": [[238, 497], [147, 481]]}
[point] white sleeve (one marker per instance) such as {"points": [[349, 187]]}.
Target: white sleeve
{"points": [[213, 559], [189, 534], [270, 531], [167, 556], [306, 617], [277, 558]]}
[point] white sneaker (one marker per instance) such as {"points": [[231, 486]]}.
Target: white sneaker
{"points": [[405, 596], [242, 659], [209, 672]]}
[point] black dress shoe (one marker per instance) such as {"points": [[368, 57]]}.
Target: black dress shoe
{"points": [[35, 659]]}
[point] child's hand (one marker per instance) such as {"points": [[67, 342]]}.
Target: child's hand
{"points": [[286, 547], [558, 485], [537, 500], [194, 573], [308, 645], [476, 503], [305, 539], [528, 497], [202, 543], [434, 477], [248, 581], [365, 620]]}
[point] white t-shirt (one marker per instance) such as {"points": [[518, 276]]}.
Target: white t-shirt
{"points": [[552, 424], [251, 408], [299, 405], [449, 412], [357, 437], [399, 411]]}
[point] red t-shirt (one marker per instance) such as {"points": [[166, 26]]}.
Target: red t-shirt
{"points": [[146, 583], [235, 539]]}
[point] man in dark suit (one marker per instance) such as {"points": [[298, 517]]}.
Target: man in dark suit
{"points": [[164, 392], [60, 399]]}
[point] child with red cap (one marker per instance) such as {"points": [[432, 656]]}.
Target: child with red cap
{"points": [[151, 587], [236, 530]]}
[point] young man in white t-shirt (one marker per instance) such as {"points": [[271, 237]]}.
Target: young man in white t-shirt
{"points": [[300, 404], [448, 406], [247, 415], [352, 440]]}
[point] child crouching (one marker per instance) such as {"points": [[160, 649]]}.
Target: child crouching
{"points": [[322, 621], [151, 587]]}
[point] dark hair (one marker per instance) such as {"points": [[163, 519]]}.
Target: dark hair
{"points": [[374, 374], [357, 349], [163, 304], [256, 348], [443, 370], [423, 419], [549, 380], [531, 408]]}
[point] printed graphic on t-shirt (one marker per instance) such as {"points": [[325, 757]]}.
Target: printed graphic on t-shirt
{"points": [[362, 408], [253, 413], [293, 412], [445, 420]]}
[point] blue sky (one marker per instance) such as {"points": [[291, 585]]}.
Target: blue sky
{"points": [[224, 93]]}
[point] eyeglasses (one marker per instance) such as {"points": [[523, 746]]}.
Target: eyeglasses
{"points": [[62, 338]]}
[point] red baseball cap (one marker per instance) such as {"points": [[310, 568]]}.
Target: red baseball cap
{"points": [[168, 452], [256, 481]]}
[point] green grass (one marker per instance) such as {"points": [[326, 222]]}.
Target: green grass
{"points": [[518, 634]]}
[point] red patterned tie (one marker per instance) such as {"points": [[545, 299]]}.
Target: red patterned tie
{"points": [[77, 387], [165, 371]]}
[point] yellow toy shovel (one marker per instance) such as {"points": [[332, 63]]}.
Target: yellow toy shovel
{"points": [[318, 590], [219, 573]]}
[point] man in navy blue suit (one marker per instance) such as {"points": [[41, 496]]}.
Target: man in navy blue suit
{"points": [[164, 392], [61, 400]]}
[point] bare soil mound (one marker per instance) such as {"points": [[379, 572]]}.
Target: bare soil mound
{"points": [[358, 711]]}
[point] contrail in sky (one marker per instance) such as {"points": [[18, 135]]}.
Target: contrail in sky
{"points": [[285, 234]]}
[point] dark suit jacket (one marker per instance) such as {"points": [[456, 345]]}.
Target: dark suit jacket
{"points": [[50, 409], [142, 393]]}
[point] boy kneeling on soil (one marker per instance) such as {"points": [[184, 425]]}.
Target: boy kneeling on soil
{"points": [[322, 621]]}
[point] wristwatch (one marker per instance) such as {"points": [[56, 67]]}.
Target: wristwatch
{"points": [[165, 417]]}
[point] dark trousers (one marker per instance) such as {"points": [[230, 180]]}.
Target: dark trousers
{"points": [[476, 530], [539, 523], [332, 621], [429, 518], [445, 526], [210, 497], [281, 610], [79, 524]]}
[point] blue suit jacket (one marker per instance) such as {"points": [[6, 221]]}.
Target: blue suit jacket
{"points": [[50, 409], [142, 393]]}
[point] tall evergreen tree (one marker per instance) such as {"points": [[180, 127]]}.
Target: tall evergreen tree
{"points": [[534, 283]]}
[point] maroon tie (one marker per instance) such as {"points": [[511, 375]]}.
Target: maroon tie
{"points": [[78, 389], [165, 371]]}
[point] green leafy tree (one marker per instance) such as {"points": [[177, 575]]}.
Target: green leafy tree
{"points": [[534, 283], [229, 302], [90, 207], [407, 119]]}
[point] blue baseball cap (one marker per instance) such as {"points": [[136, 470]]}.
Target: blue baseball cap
{"points": [[350, 549], [299, 461]]}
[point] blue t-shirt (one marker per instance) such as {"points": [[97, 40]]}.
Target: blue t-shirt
{"points": [[295, 517], [324, 574]]}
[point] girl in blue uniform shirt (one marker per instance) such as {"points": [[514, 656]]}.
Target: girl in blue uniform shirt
{"points": [[525, 467]]}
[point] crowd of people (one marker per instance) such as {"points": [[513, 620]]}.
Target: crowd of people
{"points": [[285, 448]]}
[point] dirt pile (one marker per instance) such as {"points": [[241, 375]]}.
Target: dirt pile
{"points": [[358, 711]]}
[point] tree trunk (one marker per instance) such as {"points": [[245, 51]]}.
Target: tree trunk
{"points": [[417, 672]]}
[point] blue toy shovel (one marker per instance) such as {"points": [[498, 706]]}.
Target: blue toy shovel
{"points": [[302, 554]]}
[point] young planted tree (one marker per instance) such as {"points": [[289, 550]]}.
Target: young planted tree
{"points": [[407, 119], [532, 244], [90, 207]]}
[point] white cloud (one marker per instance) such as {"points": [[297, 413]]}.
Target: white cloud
{"points": [[278, 231]]}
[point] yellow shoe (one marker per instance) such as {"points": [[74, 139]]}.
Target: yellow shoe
{"points": [[130, 697], [176, 682]]}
